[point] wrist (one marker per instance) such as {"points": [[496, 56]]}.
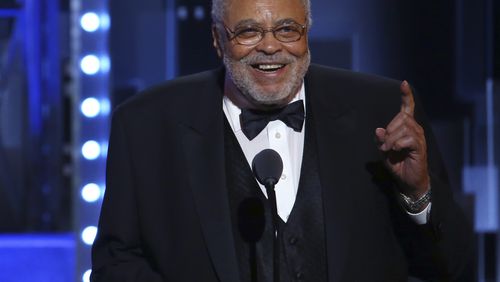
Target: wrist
{"points": [[416, 204], [416, 190]]}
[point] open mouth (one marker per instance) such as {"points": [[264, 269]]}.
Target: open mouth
{"points": [[268, 67]]}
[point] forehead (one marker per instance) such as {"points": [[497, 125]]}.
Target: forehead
{"points": [[264, 11]]}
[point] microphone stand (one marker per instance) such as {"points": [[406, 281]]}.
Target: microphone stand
{"points": [[267, 167], [277, 238]]}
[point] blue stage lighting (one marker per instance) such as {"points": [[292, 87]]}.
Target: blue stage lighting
{"points": [[90, 107], [199, 13], [91, 150], [91, 192], [105, 64], [182, 13], [90, 64], [90, 22], [105, 106], [88, 235], [105, 21]]}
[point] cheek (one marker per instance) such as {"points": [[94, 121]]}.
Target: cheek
{"points": [[298, 49], [237, 52]]}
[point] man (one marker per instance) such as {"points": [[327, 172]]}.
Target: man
{"points": [[182, 204]]}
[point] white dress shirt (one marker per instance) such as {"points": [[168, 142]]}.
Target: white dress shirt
{"points": [[290, 145], [277, 136]]}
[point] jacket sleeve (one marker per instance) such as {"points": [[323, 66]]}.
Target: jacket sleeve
{"points": [[117, 253]]}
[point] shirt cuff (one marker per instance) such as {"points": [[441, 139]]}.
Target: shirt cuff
{"points": [[421, 217]]}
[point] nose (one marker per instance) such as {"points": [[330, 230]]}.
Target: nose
{"points": [[269, 44]]}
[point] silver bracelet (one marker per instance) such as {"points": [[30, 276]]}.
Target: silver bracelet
{"points": [[417, 205]]}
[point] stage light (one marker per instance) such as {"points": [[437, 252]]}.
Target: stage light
{"points": [[182, 13], [199, 13], [88, 235], [104, 149], [105, 106], [105, 64], [91, 192], [90, 107], [90, 22], [86, 275], [90, 64], [105, 22], [91, 150]]}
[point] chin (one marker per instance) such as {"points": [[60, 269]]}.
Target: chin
{"points": [[272, 99]]}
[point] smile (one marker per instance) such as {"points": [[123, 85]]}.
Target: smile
{"points": [[268, 67]]}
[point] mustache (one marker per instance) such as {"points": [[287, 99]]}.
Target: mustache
{"points": [[262, 58]]}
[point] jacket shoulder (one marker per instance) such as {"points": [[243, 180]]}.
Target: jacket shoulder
{"points": [[348, 78], [374, 98], [179, 93]]}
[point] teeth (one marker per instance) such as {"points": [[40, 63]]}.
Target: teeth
{"points": [[270, 67]]}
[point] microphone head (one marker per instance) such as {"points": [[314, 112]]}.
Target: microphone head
{"points": [[267, 167]]}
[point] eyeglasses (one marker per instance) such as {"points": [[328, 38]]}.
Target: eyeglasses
{"points": [[251, 35]]}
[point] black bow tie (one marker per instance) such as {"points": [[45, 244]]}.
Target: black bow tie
{"points": [[253, 121]]}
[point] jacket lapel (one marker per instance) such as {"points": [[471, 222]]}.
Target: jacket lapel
{"points": [[334, 122], [203, 144]]}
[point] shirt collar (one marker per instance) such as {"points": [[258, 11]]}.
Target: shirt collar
{"points": [[233, 112]]}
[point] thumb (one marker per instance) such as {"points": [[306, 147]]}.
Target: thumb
{"points": [[380, 134]]}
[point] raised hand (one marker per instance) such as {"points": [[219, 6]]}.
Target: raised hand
{"points": [[403, 145]]}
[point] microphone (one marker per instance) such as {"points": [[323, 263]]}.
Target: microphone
{"points": [[267, 167]]}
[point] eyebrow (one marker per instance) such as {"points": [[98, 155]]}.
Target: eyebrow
{"points": [[252, 22], [285, 21]]}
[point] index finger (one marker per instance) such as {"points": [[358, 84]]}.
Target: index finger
{"points": [[407, 101]]}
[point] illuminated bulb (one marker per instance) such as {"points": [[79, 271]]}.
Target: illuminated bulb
{"points": [[88, 235], [91, 150], [104, 64], [104, 148], [182, 13], [90, 22], [91, 192], [105, 106], [90, 64], [199, 13], [90, 107], [86, 275], [105, 22]]}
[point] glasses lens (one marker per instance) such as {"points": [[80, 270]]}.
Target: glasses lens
{"points": [[288, 33], [251, 35], [248, 35]]}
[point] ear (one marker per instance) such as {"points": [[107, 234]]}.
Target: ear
{"points": [[216, 41]]}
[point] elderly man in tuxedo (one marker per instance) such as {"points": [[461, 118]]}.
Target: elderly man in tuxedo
{"points": [[363, 195]]}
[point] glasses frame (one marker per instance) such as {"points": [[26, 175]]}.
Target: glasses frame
{"points": [[231, 35]]}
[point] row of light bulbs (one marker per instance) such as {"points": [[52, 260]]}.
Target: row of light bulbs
{"points": [[91, 108]]}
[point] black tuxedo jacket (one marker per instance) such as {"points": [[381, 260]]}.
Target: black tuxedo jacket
{"points": [[165, 215]]}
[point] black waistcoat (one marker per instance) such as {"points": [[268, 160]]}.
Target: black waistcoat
{"points": [[303, 252]]}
